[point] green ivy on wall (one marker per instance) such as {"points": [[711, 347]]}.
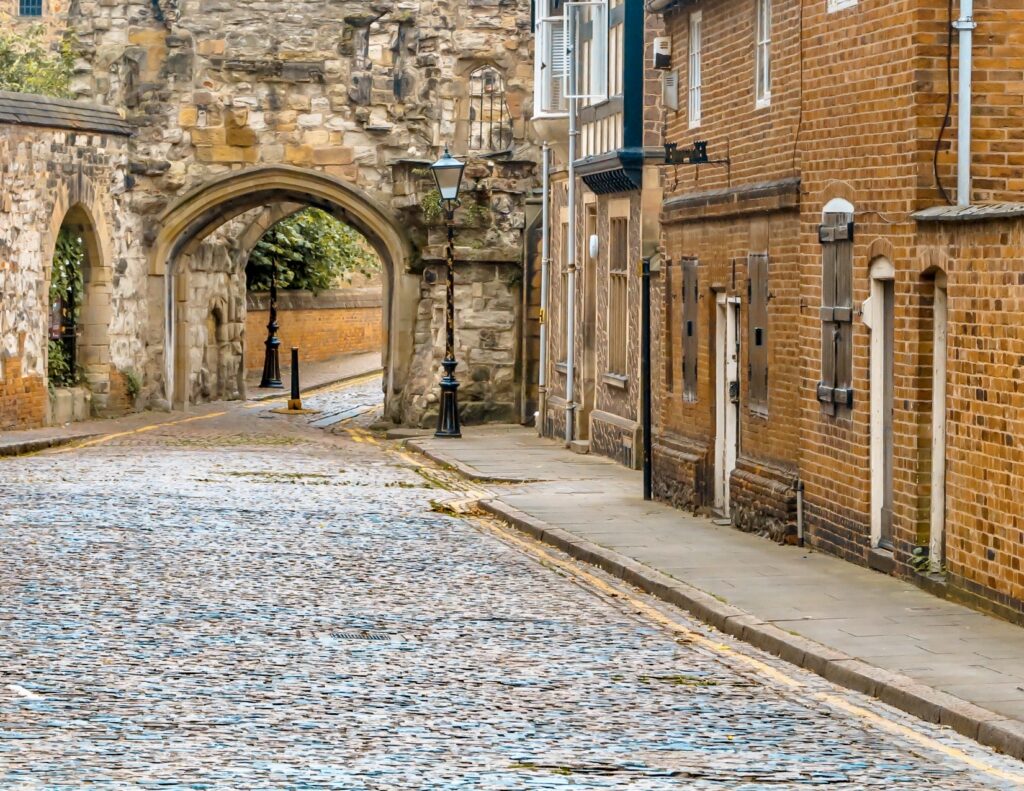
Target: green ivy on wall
{"points": [[67, 284]]}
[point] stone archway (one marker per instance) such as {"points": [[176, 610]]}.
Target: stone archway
{"points": [[74, 211], [185, 224]]}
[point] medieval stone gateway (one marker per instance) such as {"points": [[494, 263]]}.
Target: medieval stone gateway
{"points": [[207, 123], [186, 224]]}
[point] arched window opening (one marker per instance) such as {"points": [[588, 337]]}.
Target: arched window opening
{"points": [[490, 123], [67, 287]]}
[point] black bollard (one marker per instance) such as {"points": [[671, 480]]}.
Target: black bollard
{"points": [[295, 402]]}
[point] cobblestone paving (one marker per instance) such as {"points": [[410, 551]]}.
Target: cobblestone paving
{"points": [[245, 602]]}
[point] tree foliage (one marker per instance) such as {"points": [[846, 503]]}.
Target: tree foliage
{"points": [[29, 65], [311, 251]]}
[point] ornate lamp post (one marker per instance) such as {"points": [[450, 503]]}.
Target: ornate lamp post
{"points": [[448, 176], [272, 358]]}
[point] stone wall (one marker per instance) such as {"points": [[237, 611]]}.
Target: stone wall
{"points": [[48, 176], [486, 321], [361, 95]]}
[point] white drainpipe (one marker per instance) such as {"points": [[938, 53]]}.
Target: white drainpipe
{"points": [[570, 295], [965, 24], [545, 275]]}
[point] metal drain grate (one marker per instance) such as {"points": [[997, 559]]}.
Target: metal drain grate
{"points": [[379, 636]]}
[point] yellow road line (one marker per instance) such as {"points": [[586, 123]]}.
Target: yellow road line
{"points": [[920, 738], [533, 548], [140, 430]]}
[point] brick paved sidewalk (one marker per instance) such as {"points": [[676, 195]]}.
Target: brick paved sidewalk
{"points": [[935, 659]]}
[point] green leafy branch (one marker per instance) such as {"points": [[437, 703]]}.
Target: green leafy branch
{"points": [[309, 251], [28, 64]]}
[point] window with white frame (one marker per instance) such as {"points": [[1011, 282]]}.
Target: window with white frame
{"points": [[552, 64], [839, 5], [597, 67], [693, 106], [618, 295], [763, 59]]}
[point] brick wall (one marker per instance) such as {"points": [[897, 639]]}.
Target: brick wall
{"points": [[983, 263], [856, 118], [23, 399], [998, 97], [857, 144], [322, 326], [759, 141], [719, 214]]}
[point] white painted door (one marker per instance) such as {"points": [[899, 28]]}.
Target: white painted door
{"points": [[882, 310], [727, 386], [937, 534]]}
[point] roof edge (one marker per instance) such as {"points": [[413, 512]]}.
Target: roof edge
{"points": [[29, 109]]}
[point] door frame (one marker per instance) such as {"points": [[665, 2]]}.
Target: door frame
{"points": [[940, 352], [883, 276], [727, 415], [591, 263]]}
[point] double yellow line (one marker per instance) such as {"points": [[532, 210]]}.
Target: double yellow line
{"points": [[577, 571], [168, 423], [571, 568]]}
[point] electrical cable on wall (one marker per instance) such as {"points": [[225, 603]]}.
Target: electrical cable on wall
{"points": [[949, 104]]}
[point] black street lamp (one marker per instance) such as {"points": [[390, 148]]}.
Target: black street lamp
{"points": [[448, 176], [272, 358]]}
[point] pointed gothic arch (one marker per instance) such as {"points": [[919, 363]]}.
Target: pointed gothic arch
{"points": [[194, 216]]}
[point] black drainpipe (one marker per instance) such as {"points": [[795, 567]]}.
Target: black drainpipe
{"points": [[645, 373]]}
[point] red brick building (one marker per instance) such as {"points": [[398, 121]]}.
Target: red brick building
{"points": [[828, 322]]}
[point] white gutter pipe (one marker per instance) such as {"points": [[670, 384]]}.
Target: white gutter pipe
{"points": [[545, 275], [965, 24], [570, 291]]}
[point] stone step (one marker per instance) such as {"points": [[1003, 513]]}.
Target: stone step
{"points": [[581, 446]]}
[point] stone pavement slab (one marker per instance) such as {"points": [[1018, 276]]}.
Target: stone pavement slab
{"points": [[896, 635]]}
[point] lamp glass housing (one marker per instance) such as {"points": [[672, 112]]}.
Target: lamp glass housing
{"points": [[448, 176]]}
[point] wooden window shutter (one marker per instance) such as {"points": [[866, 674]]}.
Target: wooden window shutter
{"points": [[691, 323], [836, 385], [757, 332]]}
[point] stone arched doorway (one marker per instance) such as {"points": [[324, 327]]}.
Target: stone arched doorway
{"points": [[78, 296], [184, 225]]}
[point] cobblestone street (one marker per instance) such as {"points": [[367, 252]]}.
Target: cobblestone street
{"points": [[244, 600]]}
